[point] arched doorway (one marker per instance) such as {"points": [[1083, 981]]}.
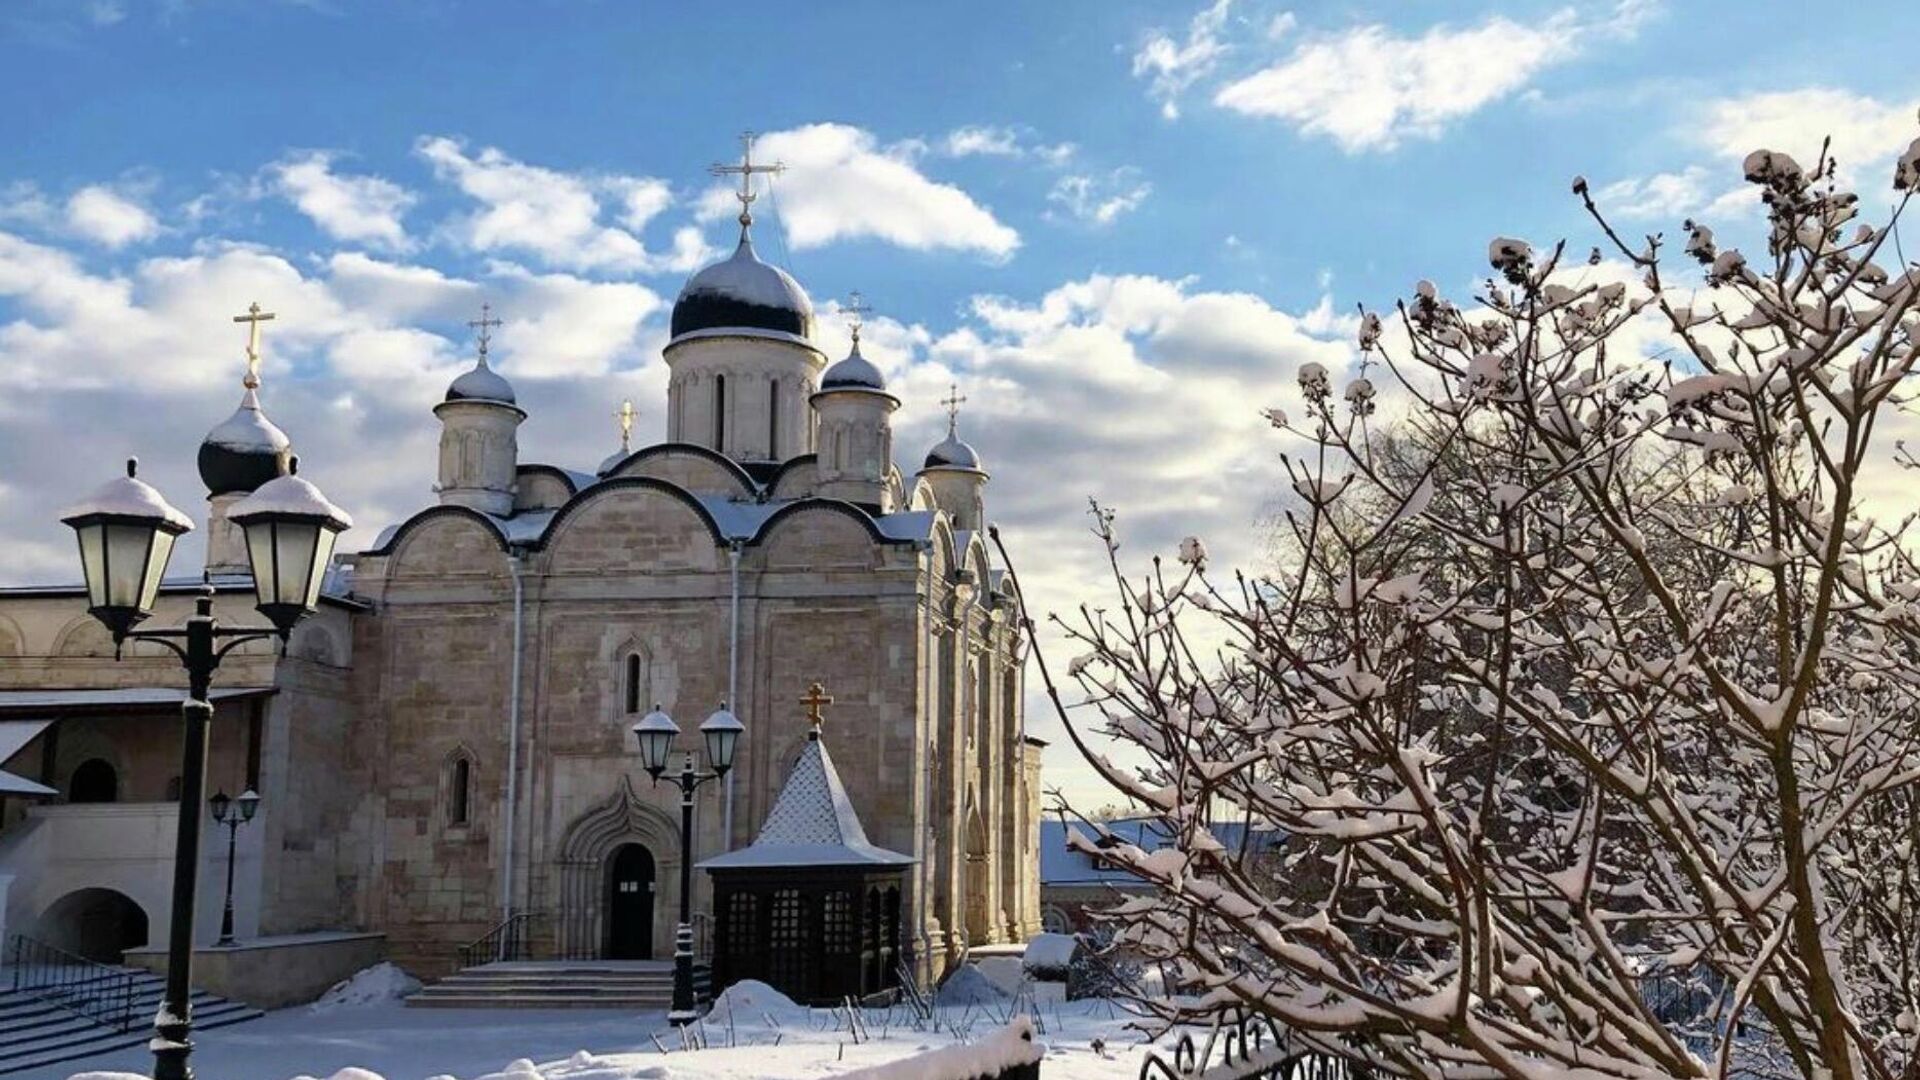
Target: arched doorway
{"points": [[95, 781], [99, 924], [630, 903]]}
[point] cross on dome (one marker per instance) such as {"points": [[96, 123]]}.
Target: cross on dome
{"points": [[625, 415], [953, 401], [485, 324], [745, 171], [253, 317], [815, 698], [856, 310]]}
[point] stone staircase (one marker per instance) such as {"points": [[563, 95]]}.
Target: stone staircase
{"points": [[643, 985], [35, 1030]]}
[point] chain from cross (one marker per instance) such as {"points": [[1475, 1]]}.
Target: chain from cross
{"points": [[253, 317], [953, 401], [856, 309], [816, 697], [745, 171], [485, 324], [626, 414]]}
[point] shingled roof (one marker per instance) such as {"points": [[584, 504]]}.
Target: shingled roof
{"points": [[813, 823]]}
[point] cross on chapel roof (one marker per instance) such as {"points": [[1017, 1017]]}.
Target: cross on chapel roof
{"points": [[745, 171]]}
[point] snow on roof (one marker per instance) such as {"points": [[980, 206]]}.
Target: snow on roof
{"points": [[20, 785], [812, 823], [15, 734], [18, 701]]}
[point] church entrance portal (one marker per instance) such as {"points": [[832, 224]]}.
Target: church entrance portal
{"points": [[630, 903]]}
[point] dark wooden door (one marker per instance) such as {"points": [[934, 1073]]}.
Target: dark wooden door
{"points": [[630, 904]]}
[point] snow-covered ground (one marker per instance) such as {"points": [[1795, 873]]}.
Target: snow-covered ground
{"points": [[754, 1035]]}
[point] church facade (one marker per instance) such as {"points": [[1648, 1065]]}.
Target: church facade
{"points": [[447, 742]]}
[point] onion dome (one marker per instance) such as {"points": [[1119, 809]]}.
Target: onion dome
{"points": [[243, 451], [954, 454], [482, 383], [855, 372], [742, 294]]}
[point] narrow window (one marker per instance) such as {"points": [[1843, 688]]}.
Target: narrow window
{"points": [[773, 420], [720, 413], [457, 797], [633, 682]]}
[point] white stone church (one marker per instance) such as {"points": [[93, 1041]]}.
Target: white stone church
{"points": [[446, 742]]}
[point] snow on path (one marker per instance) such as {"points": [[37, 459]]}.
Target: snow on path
{"points": [[391, 1042]]}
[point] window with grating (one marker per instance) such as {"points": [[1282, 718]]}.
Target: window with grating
{"points": [[788, 961], [837, 929], [741, 908]]}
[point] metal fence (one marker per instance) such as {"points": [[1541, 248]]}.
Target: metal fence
{"points": [[1246, 1046], [72, 982]]}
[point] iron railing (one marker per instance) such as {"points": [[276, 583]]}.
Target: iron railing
{"points": [[1246, 1046], [72, 982], [510, 939]]}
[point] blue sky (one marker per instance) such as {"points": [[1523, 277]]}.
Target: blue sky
{"points": [[1119, 225]]}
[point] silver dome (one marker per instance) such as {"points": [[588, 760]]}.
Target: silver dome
{"points": [[482, 383]]}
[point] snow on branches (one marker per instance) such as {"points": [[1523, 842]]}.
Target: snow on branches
{"points": [[1588, 697]]}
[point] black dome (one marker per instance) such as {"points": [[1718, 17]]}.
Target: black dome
{"points": [[244, 451], [742, 293]]}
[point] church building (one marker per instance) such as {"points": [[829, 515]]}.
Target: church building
{"points": [[446, 743]]}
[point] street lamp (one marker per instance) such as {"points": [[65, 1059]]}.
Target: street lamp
{"points": [[126, 533], [655, 733], [225, 813]]}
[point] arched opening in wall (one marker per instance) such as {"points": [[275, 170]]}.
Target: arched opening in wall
{"points": [[773, 420], [720, 413], [630, 890], [95, 781], [631, 683], [459, 787], [99, 924]]}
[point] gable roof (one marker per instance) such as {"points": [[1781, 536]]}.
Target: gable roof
{"points": [[812, 823]]}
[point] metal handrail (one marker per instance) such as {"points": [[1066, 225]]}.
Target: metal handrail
{"points": [[94, 990], [510, 939]]}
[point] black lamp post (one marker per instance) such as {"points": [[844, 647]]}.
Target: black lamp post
{"points": [[232, 813], [126, 532], [656, 732]]}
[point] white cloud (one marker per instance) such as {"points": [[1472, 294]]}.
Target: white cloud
{"points": [[554, 215], [991, 141], [840, 184], [109, 217], [1370, 88], [560, 326], [358, 209], [1668, 195], [1171, 65], [984, 140], [1100, 200], [1864, 130], [1866, 134]]}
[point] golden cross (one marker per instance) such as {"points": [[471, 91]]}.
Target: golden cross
{"points": [[254, 317], [626, 415], [816, 697], [953, 401], [485, 324], [856, 310], [745, 171]]}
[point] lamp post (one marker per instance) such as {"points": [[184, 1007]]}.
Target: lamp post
{"points": [[126, 532], [656, 732], [232, 813]]}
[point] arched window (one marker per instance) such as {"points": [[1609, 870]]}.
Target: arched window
{"points": [[95, 781], [458, 791], [631, 688], [720, 413], [773, 419]]}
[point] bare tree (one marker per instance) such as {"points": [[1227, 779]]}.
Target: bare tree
{"points": [[1596, 731]]}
